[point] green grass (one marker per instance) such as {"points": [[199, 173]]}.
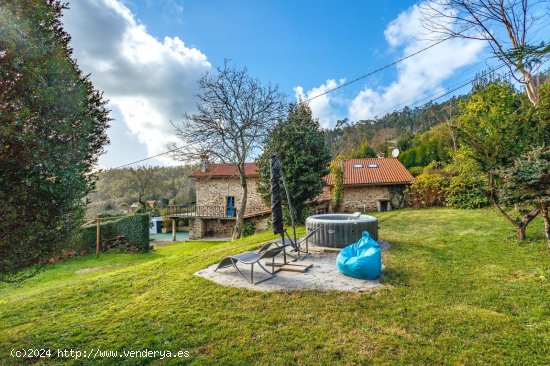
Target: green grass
{"points": [[458, 290]]}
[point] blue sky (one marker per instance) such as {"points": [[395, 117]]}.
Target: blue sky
{"points": [[287, 42], [147, 55]]}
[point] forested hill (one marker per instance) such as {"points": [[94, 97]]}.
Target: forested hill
{"points": [[366, 137]]}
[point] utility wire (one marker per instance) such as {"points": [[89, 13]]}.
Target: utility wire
{"points": [[149, 158], [433, 97], [378, 70]]}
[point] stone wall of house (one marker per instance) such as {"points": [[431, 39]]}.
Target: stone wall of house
{"points": [[223, 228], [363, 198], [366, 198], [197, 229], [262, 222], [219, 228], [202, 228], [213, 192]]}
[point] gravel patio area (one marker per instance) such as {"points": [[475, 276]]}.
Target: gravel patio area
{"points": [[323, 275]]}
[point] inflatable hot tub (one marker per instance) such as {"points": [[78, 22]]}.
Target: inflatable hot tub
{"points": [[339, 230]]}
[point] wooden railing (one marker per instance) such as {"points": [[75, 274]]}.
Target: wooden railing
{"points": [[200, 211]]}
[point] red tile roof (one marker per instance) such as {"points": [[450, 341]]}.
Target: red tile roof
{"points": [[227, 171], [382, 171]]}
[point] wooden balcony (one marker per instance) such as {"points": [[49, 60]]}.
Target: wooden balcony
{"points": [[216, 212]]}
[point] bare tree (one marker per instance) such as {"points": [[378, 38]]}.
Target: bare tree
{"points": [[234, 114], [142, 183], [508, 26]]}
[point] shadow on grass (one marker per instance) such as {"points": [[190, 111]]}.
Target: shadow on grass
{"points": [[395, 277]]}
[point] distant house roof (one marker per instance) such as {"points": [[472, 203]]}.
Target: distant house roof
{"points": [[373, 171], [227, 171]]}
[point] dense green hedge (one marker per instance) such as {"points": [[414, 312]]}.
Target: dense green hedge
{"points": [[135, 230]]}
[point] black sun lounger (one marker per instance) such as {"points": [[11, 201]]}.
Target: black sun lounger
{"points": [[253, 258]]}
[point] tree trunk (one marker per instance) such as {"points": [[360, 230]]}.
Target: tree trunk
{"points": [[521, 224], [525, 220], [544, 212], [520, 232], [239, 223], [532, 89]]}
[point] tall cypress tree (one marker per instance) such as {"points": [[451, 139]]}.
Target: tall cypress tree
{"points": [[52, 130]]}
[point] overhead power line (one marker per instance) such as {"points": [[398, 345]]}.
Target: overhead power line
{"points": [[435, 96], [150, 157], [377, 70]]}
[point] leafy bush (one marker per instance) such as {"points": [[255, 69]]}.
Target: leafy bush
{"points": [[467, 186], [467, 191], [416, 170], [427, 190], [249, 228], [306, 211], [337, 173], [135, 230]]}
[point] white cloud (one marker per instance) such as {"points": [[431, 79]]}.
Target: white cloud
{"points": [[324, 107], [148, 82], [418, 75]]}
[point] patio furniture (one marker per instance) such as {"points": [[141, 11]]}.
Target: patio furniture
{"points": [[295, 247], [253, 258]]}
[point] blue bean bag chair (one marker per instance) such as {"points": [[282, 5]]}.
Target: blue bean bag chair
{"points": [[362, 259]]}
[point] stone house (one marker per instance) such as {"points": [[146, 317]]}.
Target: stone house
{"points": [[218, 197], [376, 184], [373, 184]]}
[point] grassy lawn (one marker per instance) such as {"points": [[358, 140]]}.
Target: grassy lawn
{"points": [[459, 290]]}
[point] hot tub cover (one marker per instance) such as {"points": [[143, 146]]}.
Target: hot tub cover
{"points": [[361, 260]]}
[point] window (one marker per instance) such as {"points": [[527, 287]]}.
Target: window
{"points": [[230, 206], [358, 166], [373, 165]]}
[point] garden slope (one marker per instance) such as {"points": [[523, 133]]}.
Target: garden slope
{"points": [[458, 290]]}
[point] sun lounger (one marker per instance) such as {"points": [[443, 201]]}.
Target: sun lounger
{"points": [[296, 247], [253, 258]]}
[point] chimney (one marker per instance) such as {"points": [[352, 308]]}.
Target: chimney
{"points": [[204, 163], [381, 155]]}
